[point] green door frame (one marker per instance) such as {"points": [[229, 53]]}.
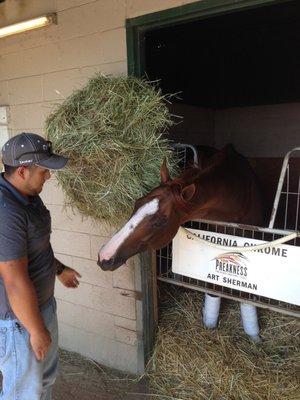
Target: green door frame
{"points": [[136, 29]]}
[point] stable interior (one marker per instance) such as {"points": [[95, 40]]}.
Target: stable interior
{"points": [[236, 77]]}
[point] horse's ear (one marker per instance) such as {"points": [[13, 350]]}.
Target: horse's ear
{"points": [[188, 192], [164, 172]]}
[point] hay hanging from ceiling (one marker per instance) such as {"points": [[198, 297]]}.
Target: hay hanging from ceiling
{"points": [[112, 132], [194, 363]]}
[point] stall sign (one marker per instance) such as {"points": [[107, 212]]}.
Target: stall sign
{"points": [[273, 272]]}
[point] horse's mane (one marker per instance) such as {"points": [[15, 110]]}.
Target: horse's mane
{"points": [[211, 163], [192, 174]]}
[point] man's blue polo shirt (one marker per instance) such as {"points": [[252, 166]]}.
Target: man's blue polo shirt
{"points": [[25, 227]]}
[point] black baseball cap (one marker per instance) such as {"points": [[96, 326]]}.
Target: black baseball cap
{"points": [[29, 149]]}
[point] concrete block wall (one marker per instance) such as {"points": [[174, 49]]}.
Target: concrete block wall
{"points": [[99, 319], [195, 125], [38, 69], [259, 131]]}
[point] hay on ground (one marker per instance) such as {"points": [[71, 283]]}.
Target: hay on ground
{"points": [[194, 363], [112, 132]]}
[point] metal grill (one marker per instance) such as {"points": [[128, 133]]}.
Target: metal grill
{"points": [[285, 213], [164, 256], [187, 154]]}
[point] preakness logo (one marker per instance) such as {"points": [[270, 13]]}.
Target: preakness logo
{"points": [[232, 264], [229, 267]]}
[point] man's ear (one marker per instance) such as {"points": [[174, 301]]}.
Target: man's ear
{"points": [[21, 172], [164, 172], [188, 192]]}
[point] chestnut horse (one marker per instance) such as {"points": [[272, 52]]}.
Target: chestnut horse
{"points": [[225, 189]]}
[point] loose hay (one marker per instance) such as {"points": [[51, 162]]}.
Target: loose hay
{"points": [[112, 132], [193, 363]]}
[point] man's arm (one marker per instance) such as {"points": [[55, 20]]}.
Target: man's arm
{"points": [[23, 300]]}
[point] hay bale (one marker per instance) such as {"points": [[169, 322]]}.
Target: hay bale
{"points": [[194, 363], [112, 132]]}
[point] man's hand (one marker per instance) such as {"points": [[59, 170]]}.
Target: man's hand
{"points": [[40, 343], [69, 277]]}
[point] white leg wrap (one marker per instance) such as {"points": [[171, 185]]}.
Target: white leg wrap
{"points": [[250, 321], [211, 311]]}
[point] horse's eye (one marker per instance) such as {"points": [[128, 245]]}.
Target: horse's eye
{"points": [[155, 224], [159, 222]]}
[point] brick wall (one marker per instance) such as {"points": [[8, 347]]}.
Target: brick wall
{"points": [[99, 319], [38, 69]]}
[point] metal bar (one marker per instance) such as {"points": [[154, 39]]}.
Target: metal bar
{"points": [[297, 206], [231, 297], [287, 196], [279, 187], [160, 260], [189, 146], [249, 227]]}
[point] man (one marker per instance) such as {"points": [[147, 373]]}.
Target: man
{"points": [[28, 322]]}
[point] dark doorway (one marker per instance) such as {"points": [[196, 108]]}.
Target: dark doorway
{"points": [[240, 59]]}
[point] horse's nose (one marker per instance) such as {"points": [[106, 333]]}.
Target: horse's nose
{"points": [[105, 264]]}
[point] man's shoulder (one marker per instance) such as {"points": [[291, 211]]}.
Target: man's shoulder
{"points": [[8, 203]]}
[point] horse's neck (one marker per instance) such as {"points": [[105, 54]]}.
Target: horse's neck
{"points": [[201, 175]]}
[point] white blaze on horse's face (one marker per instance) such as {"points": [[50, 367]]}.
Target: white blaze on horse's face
{"points": [[109, 249]]}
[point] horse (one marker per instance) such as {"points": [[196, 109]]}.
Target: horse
{"points": [[224, 188]]}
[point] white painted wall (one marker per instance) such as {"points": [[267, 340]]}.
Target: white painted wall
{"points": [[260, 131], [195, 125], [102, 319], [257, 131], [4, 118]]}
